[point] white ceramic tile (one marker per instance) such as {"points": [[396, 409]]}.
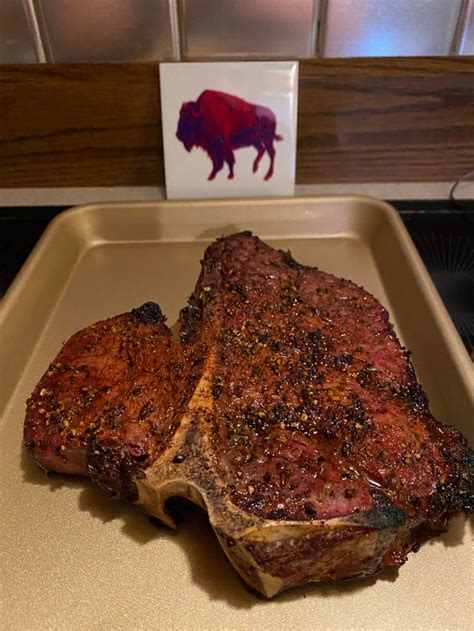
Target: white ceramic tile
{"points": [[246, 28], [226, 119], [377, 28], [106, 30]]}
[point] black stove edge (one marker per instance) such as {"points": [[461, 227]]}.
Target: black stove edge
{"points": [[438, 206], [402, 205], [35, 213]]}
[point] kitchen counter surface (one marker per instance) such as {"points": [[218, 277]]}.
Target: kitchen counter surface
{"points": [[72, 196]]}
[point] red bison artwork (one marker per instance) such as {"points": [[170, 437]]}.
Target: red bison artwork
{"points": [[219, 123]]}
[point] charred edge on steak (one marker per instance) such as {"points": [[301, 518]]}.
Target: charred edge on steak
{"points": [[149, 313], [111, 468], [379, 518], [467, 498], [243, 233], [293, 264]]}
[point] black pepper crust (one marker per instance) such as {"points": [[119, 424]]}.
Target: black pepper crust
{"points": [[317, 410]]}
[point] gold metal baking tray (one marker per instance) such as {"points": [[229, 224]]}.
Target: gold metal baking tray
{"points": [[71, 558]]}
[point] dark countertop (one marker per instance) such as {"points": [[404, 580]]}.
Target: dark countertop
{"points": [[442, 233]]}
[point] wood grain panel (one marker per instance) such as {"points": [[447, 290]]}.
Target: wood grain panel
{"points": [[382, 120], [80, 125], [405, 119]]}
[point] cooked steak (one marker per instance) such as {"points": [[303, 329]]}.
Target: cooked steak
{"points": [[283, 404]]}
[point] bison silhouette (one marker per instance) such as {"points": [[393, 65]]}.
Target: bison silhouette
{"points": [[219, 123]]}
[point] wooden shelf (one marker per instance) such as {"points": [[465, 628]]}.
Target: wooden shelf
{"points": [[360, 120]]}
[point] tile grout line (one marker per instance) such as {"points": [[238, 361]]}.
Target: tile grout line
{"points": [[175, 30], [313, 37], [321, 28], [32, 19], [460, 31]]}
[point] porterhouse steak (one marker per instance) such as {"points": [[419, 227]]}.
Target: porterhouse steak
{"points": [[282, 403]]}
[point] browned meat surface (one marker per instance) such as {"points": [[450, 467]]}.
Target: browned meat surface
{"points": [[111, 400], [317, 411], [284, 405]]}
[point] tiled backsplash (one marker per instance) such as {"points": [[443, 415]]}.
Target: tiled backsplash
{"points": [[141, 30], [247, 28], [106, 30], [371, 28]]}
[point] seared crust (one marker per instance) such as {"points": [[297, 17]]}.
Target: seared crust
{"points": [[111, 400], [317, 412], [286, 407]]}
